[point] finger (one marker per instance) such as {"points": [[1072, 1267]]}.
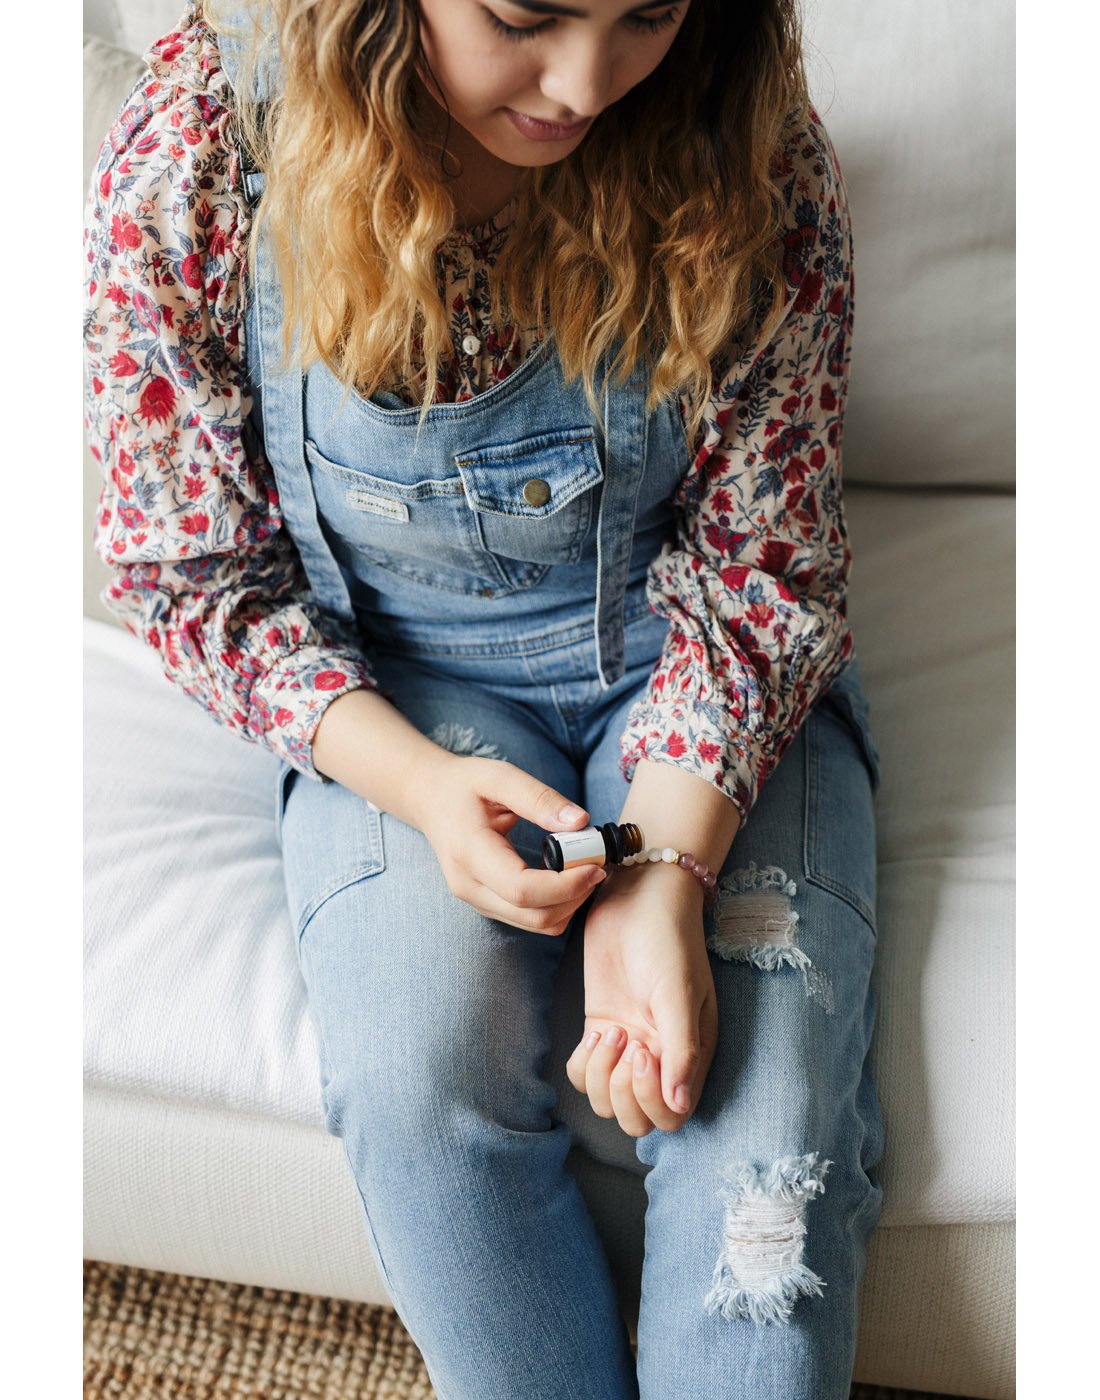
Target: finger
{"points": [[597, 1075], [498, 865], [534, 799], [676, 1016], [631, 1117], [552, 919], [577, 1063], [647, 1092]]}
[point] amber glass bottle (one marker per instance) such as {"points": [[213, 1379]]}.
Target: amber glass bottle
{"points": [[595, 845]]}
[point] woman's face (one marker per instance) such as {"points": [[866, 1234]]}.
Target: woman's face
{"points": [[562, 64]]}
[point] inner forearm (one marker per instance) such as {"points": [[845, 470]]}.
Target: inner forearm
{"points": [[677, 808], [366, 744]]}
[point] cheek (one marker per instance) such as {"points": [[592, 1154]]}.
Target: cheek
{"points": [[456, 59], [484, 79]]}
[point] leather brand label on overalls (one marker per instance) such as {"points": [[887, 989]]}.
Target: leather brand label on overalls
{"points": [[377, 505]]}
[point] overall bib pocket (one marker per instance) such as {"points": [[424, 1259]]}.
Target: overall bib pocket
{"points": [[533, 500], [412, 524], [493, 525]]}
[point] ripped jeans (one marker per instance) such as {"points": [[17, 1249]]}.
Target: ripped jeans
{"points": [[443, 1037]]}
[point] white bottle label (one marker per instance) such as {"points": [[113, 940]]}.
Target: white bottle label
{"points": [[581, 847]]}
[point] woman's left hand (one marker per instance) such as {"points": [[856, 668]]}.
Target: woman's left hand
{"points": [[646, 973]]}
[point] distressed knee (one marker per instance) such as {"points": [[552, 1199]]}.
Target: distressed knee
{"points": [[462, 739], [761, 1272], [756, 922]]}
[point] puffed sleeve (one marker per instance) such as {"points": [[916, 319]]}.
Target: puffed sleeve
{"points": [[188, 521], [754, 583]]}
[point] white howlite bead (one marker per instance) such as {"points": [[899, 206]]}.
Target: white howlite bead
{"points": [[668, 855], [627, 860], [654, 853]]}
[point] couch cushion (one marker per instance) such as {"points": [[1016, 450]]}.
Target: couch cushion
{"points": [[193, 991], [918, 99], [932, 611]]}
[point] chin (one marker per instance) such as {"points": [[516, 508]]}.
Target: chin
{"points": [[530, 164], [519, 151]]}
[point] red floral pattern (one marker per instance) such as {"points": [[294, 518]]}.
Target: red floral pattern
{"points": [[753, 585]]}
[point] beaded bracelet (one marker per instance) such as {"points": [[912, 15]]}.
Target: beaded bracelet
{"points": [[686, 861]]}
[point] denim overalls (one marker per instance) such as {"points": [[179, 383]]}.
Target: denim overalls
{"points": [[500, 519], [494, 566]]}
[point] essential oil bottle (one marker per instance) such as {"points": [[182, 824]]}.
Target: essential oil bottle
{"points": [[595, 845]]}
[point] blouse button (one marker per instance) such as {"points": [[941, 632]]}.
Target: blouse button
{"points": [[536, 492], [471, 345]]}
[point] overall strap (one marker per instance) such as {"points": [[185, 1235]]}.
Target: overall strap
{"points": [[240, 26], [266, 79], [280, 393], [278, 389], [626, 436]]}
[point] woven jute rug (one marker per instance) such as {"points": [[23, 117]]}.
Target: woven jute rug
{"points": [[152, 1336]]}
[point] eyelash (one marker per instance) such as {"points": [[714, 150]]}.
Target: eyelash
{"points": [[652, 25]]}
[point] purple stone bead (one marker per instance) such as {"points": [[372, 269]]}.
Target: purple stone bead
{"points": [[710, 880], [687, 860], [699, 868]]}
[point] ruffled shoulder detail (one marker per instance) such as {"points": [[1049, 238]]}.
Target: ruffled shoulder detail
{"points": [[188, 57], [186, 75]]}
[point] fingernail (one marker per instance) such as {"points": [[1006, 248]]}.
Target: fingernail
{"points": [[631, 1050], [597, 875], [570, 814], [592, 1041], [611, 1039], [641, 1062], [682, 1098]]}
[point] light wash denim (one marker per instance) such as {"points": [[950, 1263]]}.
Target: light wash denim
{"points": [[512, 626]]}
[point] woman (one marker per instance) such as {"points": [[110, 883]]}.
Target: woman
{"points": [[468, 378]]}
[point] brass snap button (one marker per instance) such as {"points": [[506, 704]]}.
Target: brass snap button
{"points": [[536, 492]]}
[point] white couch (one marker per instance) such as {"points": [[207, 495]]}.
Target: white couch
{"points": [[206, 1151]]}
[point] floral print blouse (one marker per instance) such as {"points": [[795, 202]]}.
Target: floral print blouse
{"points": [[753, 586]]}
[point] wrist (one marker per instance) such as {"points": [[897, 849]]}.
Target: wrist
{"points": [[678, 808], [426, 770], [684, 863], [677, 889], [363, 742]]}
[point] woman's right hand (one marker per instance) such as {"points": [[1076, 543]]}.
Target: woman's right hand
{"points": [[474, 803]]}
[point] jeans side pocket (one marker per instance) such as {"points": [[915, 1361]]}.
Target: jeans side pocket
{"points": [[282, 783], [846, 696], [330, 838], [840, 854]]}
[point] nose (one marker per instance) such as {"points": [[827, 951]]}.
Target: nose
{"points": [[577, 79]]}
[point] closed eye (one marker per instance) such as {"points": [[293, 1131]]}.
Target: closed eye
{"points": [[639, 22]]}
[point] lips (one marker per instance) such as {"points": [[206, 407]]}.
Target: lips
{"points": [[545, 131]]}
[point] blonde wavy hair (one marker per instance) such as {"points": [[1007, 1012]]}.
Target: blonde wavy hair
{"points": [[660, 227]]}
